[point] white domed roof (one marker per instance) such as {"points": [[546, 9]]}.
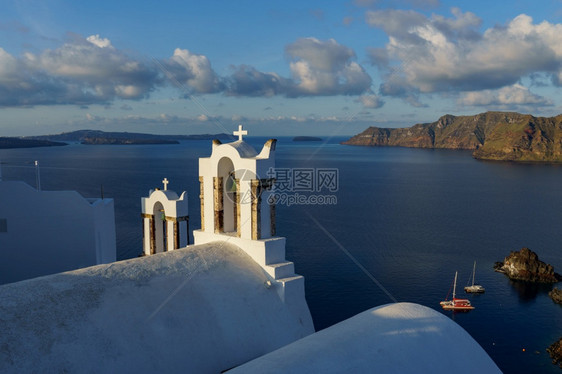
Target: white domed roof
{"points": [[244, 149], [392, 338], [200, 309]]}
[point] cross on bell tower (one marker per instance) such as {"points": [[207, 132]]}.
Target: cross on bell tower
{"points": [[240, 132]]}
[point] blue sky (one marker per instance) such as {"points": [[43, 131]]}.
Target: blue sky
{"points": [[277, 67]]}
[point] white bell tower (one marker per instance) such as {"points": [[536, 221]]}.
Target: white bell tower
{"points": [[234, 198], [236, 207], [165, 220]]}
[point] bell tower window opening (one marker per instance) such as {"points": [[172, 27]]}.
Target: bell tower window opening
{"points": [[227, 196], [160, 229]]}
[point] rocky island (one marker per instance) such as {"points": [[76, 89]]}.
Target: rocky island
{"points": [[525, 265], [307, 139], [555, 352], [556, 295], [504, 136]]}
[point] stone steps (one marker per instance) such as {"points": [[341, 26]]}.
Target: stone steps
{"points": [[291, 288], [295, 277], [281, 270]]}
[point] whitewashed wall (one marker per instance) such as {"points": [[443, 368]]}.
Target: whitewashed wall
{"points": [[52, 231]]}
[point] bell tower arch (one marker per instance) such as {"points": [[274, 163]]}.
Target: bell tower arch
{"points": [[165, 220]]}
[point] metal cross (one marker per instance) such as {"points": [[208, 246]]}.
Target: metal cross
{"points": [[165, 181]]}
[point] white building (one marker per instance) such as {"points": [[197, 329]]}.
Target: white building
{"points": [[46, 232], [165, 220]]}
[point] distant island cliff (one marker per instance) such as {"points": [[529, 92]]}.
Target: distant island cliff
{"points": [[96, 137], [502, 136], [124, 141], [103, 137], [8, 142]]}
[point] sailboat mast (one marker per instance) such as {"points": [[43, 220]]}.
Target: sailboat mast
{"points": [[455, 285], [473, 273]]}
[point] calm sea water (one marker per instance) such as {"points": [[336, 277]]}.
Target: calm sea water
{"points": [[411, 217]]}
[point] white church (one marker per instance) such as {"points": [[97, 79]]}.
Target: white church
{"points": [[230, 302]]}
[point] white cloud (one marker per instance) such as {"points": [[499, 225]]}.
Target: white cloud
{"points": [[321, 55], [371, 101], [99, 42], [81, 71], [167, 118], [325, 68], [439, 54], [247, 81], [510, 96], [463, 22], [93, 118], [91, 61], [8, 65], [128, 91], [192, 70], [85, 71], [318, 68]]}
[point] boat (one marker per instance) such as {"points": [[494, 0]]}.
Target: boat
{"points": [[456, 304], [475, 288]]}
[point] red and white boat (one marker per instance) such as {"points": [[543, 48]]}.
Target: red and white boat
{"points": [[456, 304]]}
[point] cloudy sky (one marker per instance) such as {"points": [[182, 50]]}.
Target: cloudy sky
{"points": [[277, 67]]}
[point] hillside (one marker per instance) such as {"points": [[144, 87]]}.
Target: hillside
{"points": [[492, 135]]}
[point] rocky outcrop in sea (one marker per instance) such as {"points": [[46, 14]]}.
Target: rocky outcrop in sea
{"points": [[525, 265], [555, 351], [556, 295]]}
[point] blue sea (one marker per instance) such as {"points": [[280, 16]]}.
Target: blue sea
{"points": [[410, 217]]}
